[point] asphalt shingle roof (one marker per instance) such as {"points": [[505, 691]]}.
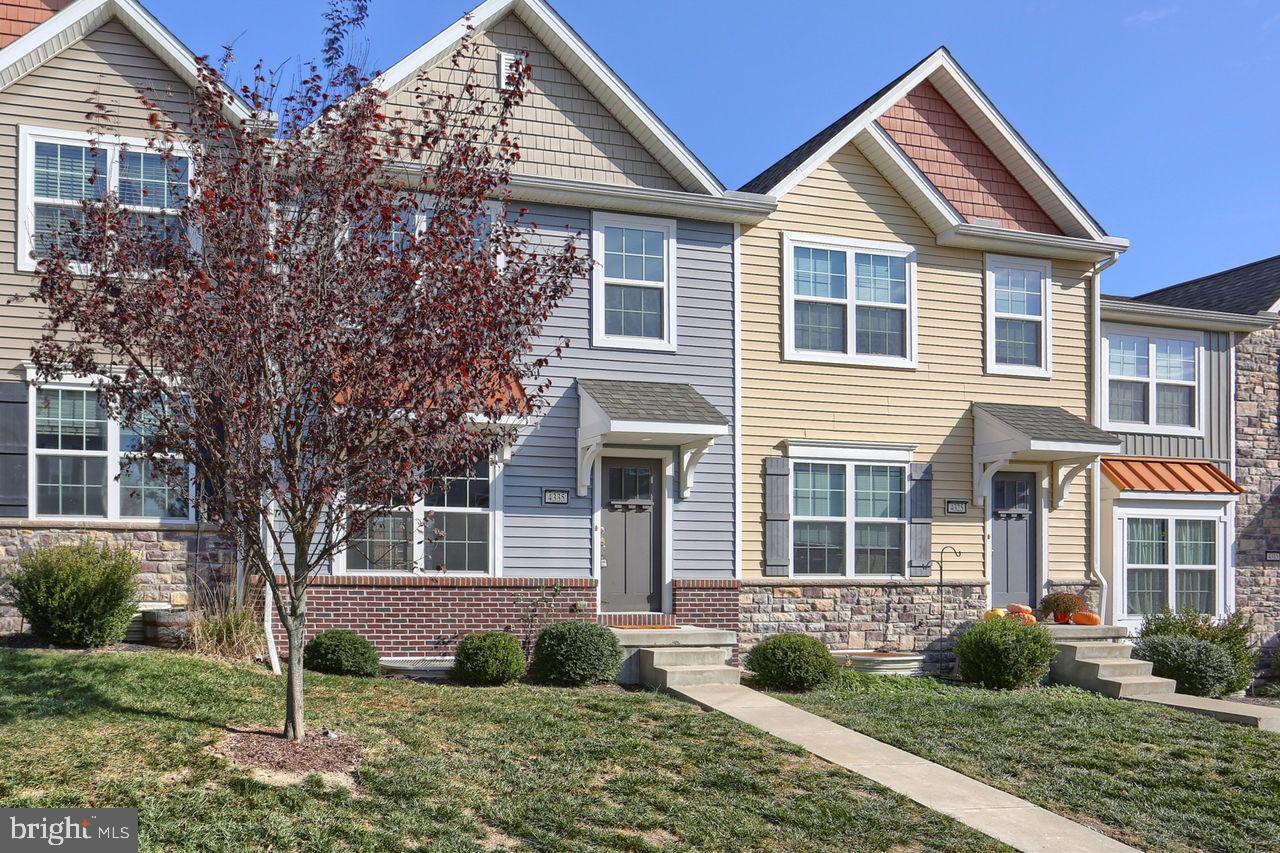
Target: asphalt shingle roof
{"points": [[1047, 423], [667, 402], [1248, 289]]}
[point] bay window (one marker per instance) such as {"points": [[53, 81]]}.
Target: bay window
{"points": [[1152, 380], [849, 301], [849, 519], [1019, 316], [86, 465], [452, 531], [1171, 563], [634, 283], [60, 169]]}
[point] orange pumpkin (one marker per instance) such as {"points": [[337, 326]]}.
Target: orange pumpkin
{"points": [[1020, 608], [1024, 618], [1086, 618]]}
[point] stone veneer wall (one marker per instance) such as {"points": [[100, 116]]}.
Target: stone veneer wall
{"points": [[1258, 471], [171, 557], [909, 615]]}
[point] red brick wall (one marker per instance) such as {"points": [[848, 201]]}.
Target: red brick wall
{"points": [[706, 604], [959, 164], [19, 17], [427, 616]]}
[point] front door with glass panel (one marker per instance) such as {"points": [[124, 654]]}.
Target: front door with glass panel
{"points": [[631, 536], [1170, 563], [1013, 539]]}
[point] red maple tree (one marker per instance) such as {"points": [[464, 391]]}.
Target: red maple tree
{"points": [[332, 322]]}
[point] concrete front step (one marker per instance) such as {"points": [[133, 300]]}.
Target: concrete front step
{"points": [[689, 637], [1102, 665], [1134, 686], [1113, 667], [663, 677], [662, 668], [685, 656], [1076, 633]]}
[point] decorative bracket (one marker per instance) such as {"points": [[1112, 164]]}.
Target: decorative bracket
{"points": [[588, 451], [690, 455], [984, 471], [1064, 475]]}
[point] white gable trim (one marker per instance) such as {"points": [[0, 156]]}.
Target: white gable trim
{"points": [[80, 19], [586, 64], [1039, 182]]}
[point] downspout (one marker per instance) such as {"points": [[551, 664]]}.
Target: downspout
{"points": [[1095, 472]]}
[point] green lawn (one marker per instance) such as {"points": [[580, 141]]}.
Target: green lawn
{"points": [[448, 768], [1149, 776]]}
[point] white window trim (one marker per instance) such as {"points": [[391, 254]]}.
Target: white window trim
{"points": [[112, 454], [1045, 268], [793, 240], [1198, 399], [420, 511], [669, 287], [890, 457], [1224, 545], [111, 144]]}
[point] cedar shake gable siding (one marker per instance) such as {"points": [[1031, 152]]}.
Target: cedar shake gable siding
{"points": [[959, 164], [19, 17]]}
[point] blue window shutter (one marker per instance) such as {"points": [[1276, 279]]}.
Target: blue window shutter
{"points": [[13, 449], [777, 516], [920, 503]]}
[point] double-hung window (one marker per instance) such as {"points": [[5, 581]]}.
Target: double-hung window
{"points": [[1171, 563], [85, 465], [60, 169], [452, 531], [634, 282], [1152, 380], [848, 519], [1019, 316], [849, 301]]}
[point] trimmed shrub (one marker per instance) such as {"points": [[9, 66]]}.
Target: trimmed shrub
{"points": [[340, 652], [571, 654], [1232, 634], [77, 595], [1200, 667], [791, 662], [1003, 654], [488, 657]]}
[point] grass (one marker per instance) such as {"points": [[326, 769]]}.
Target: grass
{"points": [[1149, 776], [447, 768]]}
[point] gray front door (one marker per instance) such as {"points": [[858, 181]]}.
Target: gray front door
{"points": [[631, 536], [1013, 539]]}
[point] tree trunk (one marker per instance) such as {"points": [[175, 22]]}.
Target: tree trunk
{"points": [[294, 722]]}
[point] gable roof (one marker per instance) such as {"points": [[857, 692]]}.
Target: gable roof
{"points": [[673, 402], [1047, 423], [978, 112], [80, 19], [594, 73], [1249, 289]]}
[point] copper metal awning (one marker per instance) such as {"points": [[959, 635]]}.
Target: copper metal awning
{"points": [[1177, 476]]}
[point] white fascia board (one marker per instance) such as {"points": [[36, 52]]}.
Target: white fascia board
{"points": [[586, 64], [901, 171], [742, 208], [1171, 316], [662, 429], [1007, 241], [80, 19]]}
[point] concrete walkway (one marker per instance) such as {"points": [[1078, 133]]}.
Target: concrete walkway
{"points": [[1002, 816]]}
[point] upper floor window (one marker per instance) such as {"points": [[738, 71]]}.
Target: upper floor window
{"points": [[60, 169], [86, 465], [848, 518], [450, 531], [634, 288], [1152, 380], [849, 301], [1019, 316]]}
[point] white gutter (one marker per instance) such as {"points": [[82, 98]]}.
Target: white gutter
{"points": [[1130, 311], [1095, 474]]}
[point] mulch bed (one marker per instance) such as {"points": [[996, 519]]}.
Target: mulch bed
{"points": [[268, 750]]}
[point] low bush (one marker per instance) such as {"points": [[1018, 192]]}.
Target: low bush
{"points": [[1198, 666], [81, 596], [1002, 654], [791, 662], [571, 654], [340, 652], [1233, 634], [488, 657]]}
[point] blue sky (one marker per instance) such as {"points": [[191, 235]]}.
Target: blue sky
{"points": [[1162, 117]]}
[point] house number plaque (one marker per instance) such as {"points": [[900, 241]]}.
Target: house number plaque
{"points": [[957, 507], [555, 497]]}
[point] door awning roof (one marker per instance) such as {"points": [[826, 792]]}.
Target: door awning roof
{"points": [[1171, 476], [1004, 433], [661, 414]]}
